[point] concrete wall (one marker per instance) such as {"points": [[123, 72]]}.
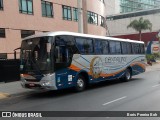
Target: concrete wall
{"points": [[112, 7], [119, 27]]}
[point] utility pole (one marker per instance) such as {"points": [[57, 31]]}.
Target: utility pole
{"points": [[80, 21]]}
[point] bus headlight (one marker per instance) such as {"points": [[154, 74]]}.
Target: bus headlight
{"points": [[46, 83]]}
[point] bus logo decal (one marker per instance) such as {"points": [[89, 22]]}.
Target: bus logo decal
{"points": [[96, 67]]}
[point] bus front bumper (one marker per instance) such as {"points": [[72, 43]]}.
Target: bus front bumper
{"points": [[47, 82]]}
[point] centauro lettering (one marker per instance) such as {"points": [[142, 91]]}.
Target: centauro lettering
{"points": [[115, 59]]}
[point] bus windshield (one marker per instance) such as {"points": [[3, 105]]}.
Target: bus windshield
{"points": [[36, 55]]}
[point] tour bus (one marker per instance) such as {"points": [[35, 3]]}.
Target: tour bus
{"points": [[58, 60]]}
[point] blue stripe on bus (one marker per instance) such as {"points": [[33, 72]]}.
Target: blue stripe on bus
{"points": [[85, 59]]}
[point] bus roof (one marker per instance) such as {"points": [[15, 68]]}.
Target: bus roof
{"points": [[80, 35]]}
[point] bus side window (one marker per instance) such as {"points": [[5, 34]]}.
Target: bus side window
{"points": [[112, 47], [142, 49], [129, 48], [105, 47], [133, 48], [115, 47], [61, 51], [124, 47], [85, 45], [98, 46]]}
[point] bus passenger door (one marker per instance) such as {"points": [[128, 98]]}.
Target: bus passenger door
{"points": [[62, 61]]}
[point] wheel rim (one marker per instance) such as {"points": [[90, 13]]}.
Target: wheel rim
{"points": [[128, 75], [80, 83]]}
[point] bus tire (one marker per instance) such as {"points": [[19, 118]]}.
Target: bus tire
{"points": [[80, 84], [127, 76]]}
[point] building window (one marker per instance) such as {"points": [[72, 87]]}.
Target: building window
{"points": [[92, 18], [2, 33], [102, 1], [75, 14], [1, 4], [67, 14], [26, 33], [47, 9], [102, 21], [26, 6], [3, 56]]}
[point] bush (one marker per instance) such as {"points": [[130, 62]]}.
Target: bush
{"points": [[150, 57]]}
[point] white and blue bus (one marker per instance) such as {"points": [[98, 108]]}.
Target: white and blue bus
{"points": [[58, 60]]}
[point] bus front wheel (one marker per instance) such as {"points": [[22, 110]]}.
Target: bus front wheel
{"points": [[80, 84]]}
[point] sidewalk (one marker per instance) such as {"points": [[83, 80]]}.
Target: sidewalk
{"points": [[11, 89], [15, 88]]}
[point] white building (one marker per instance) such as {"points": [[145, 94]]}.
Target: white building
{"points": [[117, 25]]}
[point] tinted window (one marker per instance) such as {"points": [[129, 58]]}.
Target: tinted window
{"points": [[67, 13], [105, 47], [1, 4], [47, 8], [92, 18], [142, 48], [101, 46], [136, 48], [2, 33], [98, 47], [129, 48], [26, 6], [126, 48], [26, 33], [75, 14], [85, 45], [115, 47]]}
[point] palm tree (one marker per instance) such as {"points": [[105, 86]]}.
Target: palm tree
{"points": [[139, 25]]}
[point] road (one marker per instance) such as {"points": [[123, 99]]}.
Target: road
{"points": [[142, 93]]}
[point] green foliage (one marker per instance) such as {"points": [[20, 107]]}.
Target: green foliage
{"points": [[153, 56], [156, 55], [149, 57], [141, 24]]}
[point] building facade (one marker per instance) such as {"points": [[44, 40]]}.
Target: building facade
{"points": [[22, 18], [117, 25], [125, 6]]}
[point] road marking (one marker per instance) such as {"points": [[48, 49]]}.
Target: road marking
{"points": [[115, 100], [156, 85]]}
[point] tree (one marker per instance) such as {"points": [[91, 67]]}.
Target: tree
{"points": [[140, 25]]}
